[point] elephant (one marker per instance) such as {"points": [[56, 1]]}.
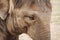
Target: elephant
{"points": [[28, 16]]}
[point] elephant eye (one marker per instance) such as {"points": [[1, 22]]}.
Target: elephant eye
{"points": [[31, 17]]}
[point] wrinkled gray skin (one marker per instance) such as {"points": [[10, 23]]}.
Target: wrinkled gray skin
{"points": [[26, 16]]}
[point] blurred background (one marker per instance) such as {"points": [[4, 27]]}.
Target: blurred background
{"points": [[55, 20]]}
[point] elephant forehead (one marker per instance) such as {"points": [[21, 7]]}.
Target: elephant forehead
{"points": [[23, 12]]}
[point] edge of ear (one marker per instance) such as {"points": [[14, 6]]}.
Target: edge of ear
{"points": [[4, 5], [3, 15]]}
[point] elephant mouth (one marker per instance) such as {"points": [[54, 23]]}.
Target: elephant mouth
{"points": [[19, 31]]}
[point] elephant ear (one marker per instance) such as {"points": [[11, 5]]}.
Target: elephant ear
{"points": [[3, 9], [3, 15]]}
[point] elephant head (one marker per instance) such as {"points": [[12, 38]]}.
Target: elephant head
{"points": [[29, 16]]}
